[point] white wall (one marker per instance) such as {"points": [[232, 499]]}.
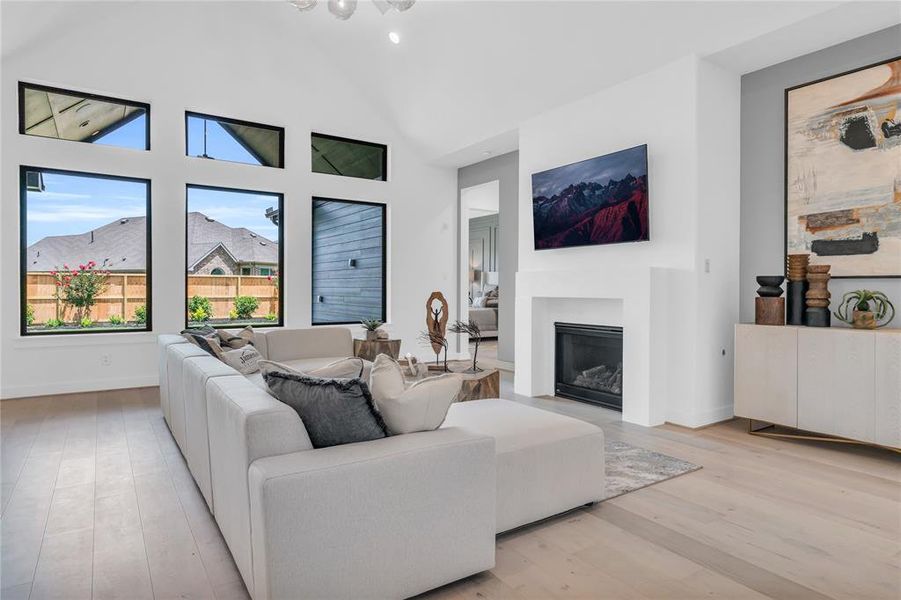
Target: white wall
{"points": [[687, 114], [181, 57]]}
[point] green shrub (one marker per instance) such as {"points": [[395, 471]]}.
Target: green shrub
{"points": [[233, 314], [200, 309], [116, 320], [29, 315], [272, 317], [245, 306], [53, 323], [86, 322], [141, 314]]}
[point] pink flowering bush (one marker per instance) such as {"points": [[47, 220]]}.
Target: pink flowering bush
{"points": [[80, 287]]}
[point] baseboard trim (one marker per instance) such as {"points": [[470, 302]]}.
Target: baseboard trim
{"points": [[702, 419], [74, 387]]}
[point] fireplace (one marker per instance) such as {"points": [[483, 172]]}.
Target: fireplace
{"points": [[589, 364]]}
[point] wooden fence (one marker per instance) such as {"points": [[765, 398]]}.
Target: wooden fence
{"points": [[127, 291]]}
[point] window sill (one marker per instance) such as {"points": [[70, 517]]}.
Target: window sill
{"points": [[74, 340]]}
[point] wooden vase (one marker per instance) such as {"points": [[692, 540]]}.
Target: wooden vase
{"points": [[817, 314], [796, 267], [818, 294], [769, 311]]}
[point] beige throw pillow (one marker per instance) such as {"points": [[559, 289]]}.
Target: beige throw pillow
{"points": [[345, 368], [421, 407], [245, 360]]}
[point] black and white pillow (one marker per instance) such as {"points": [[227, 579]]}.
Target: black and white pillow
{"points": [[334, 411]]}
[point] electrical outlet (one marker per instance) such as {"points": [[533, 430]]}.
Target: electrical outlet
{"points": [[106, 360]]}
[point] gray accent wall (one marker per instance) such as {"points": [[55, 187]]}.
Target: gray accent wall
{"points": [[348, 259], [505, 170], [762, 160]]}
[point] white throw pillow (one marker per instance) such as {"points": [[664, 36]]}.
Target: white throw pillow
{"points": [[421, 407], [245, 360], [479, 302]]}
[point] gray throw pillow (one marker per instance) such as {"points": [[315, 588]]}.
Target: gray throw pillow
{"points": [[205, 337], [334, 411]]}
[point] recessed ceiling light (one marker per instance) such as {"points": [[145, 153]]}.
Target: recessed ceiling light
{"points": [[486, 153], [394, 37]]}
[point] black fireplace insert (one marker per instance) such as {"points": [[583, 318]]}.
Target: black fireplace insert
{"points": [[589, 364]]}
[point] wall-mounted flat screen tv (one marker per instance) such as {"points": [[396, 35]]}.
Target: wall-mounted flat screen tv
{"points": [[602, 200]]}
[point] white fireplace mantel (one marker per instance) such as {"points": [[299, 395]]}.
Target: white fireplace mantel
{"points": [[637, 300]]}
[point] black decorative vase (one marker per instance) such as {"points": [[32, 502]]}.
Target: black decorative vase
{"points": [[797, 302], [817, 317], [770, 286]]}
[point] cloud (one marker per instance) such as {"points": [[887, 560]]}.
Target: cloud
{"points": [[71, 211]]}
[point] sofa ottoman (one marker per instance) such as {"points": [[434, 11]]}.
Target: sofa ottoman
{"points": [[546, 463]]}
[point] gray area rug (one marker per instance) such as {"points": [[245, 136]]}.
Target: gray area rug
{"points": [[631, 468]]}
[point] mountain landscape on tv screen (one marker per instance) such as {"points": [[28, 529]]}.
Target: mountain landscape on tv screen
{"points": [[602, 200]]}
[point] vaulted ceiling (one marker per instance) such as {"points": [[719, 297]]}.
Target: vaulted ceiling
{"points": [[466, 73]]}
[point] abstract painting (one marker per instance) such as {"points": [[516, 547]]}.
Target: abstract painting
{"points": [[843, 171], [602, 200]]}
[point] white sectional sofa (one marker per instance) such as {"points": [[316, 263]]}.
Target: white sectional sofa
{"points": [[389, 518]]}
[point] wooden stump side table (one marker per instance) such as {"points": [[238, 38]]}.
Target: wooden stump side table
{"points": [[479, 386], [476, 386], [369, 349]]}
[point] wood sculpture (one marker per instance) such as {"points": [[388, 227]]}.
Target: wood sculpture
{"points": [[436, 310]]}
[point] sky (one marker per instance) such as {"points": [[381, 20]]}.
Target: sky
{"points": [[236, 209], [77, 204], [600, 169], [219, 143], [73, 204]]}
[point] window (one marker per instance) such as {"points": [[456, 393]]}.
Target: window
{"points": [[75, 116], [85, 252], [232, 140], [267, 271], [229, 233], [350, 158], [349, 261]]}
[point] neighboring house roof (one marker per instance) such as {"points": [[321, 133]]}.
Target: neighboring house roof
{"points": [[117, 246], [243, 244], [121, 245]]}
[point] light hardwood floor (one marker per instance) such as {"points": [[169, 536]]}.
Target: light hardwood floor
{"points": [[97, 502]]}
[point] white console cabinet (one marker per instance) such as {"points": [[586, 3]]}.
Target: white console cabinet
{"points": [[829, 380]]}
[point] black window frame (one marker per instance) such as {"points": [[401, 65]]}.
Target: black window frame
{"points": [[384, 316], [281, 252], [230, 120], [88, 96], [23, 247], [337, 138]]}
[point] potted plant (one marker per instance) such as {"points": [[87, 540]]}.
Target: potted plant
{"points": [[869, 309], [372, 328]]}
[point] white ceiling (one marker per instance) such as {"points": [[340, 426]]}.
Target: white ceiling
{"points": [[467, 73]]}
